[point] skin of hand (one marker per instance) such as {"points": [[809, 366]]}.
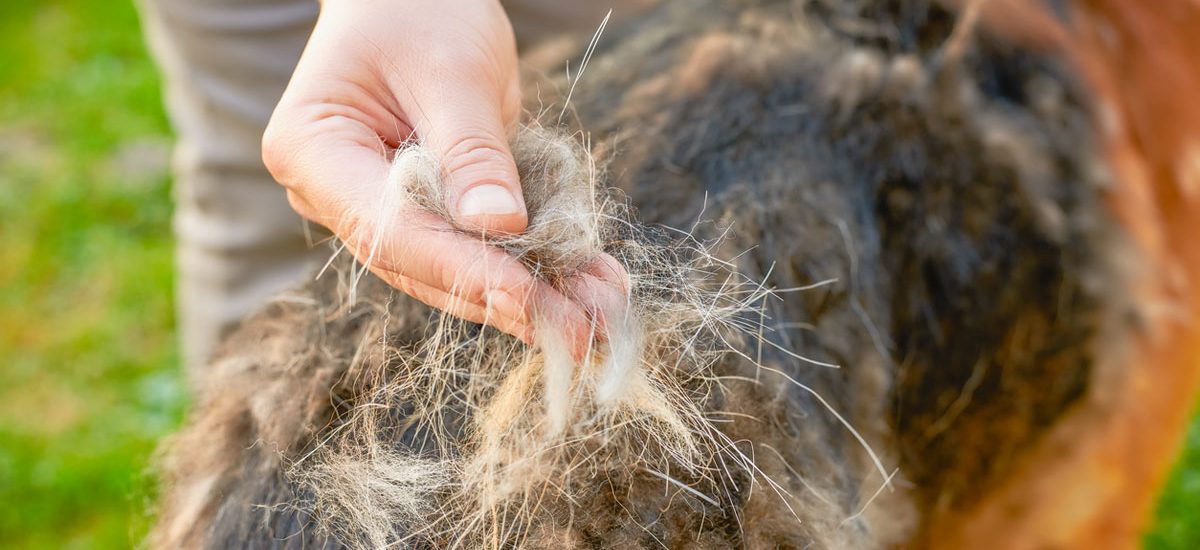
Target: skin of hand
{"points": [[376, 73]]}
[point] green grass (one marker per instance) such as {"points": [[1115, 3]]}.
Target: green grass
{"points": [[87, 350], [1178, 521], [86, 325]]}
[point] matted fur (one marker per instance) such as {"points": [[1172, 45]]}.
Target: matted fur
{"points": [[502, 431], [941, 205]]}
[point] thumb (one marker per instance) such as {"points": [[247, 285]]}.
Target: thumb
{"points": [[483, 189]]}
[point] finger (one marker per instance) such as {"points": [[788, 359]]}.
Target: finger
{"points": [[463, 123], [602, 289], [477, 272], [609, 271], [424, 247], [483, 314]]}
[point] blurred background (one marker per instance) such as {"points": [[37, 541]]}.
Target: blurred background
{"points": [[89, 373]]}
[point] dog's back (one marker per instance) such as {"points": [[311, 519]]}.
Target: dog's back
{"points": [[938, 193]]}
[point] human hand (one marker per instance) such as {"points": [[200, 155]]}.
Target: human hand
{"points": [[378, 73]]}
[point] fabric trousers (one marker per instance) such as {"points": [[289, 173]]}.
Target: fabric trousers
{"points": [[225, 64]]}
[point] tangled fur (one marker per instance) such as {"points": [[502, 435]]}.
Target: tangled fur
{"points": [[505, 428]]}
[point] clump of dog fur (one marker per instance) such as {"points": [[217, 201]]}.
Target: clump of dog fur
{"points": [[864, 230], [512, 428]]}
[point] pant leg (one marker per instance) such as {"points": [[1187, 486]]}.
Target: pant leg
{"points": [[225, 63]]}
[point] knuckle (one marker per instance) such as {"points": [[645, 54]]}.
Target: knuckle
{"points": [[358, 234], [455, 281], [473, 149], [301, 206], [406, 285], [470, 56], [475, 153], [278, 154]]}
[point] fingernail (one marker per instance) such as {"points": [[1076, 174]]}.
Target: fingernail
{"points": [[485, 199]]}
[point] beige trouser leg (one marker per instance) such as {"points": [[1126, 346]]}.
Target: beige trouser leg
{"points": [[225, 63]]}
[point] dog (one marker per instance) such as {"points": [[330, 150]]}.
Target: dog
{"points": [[969, 222]]}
